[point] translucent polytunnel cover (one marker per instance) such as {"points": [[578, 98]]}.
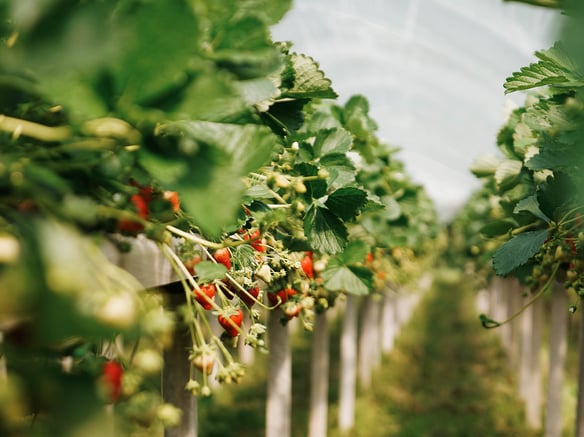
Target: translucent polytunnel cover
{"points": [[432, 70]]}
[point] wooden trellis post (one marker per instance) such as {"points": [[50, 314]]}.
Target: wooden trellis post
{"points": [[175, 374], [579, 428], [279, 396], [348, 377], [388, 321], [151, 268], [319, 378], [369, 344], [530, 372], [558, 349]]}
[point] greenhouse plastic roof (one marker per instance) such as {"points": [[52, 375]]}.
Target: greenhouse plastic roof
{"points": [[432, 70]]}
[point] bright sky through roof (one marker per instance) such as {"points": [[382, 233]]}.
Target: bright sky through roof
{"points": [[432, 70]]}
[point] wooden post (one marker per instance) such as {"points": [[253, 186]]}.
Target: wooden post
{"points": [[482, 302], [492, 301], [579, 430], [152, 269], [375, 351], [514, 290], [348, 359], [388, 322], [401, 310], [368, 341], [530, 380], [535, 394], [506, 311], [319, 378], [146, 263], [558, 347], [500, 310], [526, 354], [279, 396], [175, 374]]}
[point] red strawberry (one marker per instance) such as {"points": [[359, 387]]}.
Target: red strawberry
{"points": [[230, 321], [223, 256], [204, 361], [369, 258], [172, 197], [191, 263], [307, 265], [283, 296], [111, 375], [207, 290], [291, 309], [254, 292], [141, 207], [257, 242]]}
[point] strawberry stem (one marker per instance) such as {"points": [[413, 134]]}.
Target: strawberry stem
{"points": [[488, 323], [192, 237], [185, 275], [224, 351], [18, 127]]}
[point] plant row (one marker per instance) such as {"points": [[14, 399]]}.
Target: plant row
{"points": [[526, 219], [184, 123]]}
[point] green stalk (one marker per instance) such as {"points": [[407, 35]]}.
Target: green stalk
{"points": [[18, 127], [546, 286]]}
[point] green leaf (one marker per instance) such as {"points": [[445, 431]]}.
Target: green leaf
{"points": [[212, 189], [223, 99], [507, 174], [272, 11], [485, 165], [346, 202], [337, 141], [258, 92], [285, 116], [208, 271], [393, 209], [82, 209], [324, 230], [341, 169], [518, 251], [357, 120], [340, 277], [242, 45], [557, 156], [554, 68], [48, 181], [354, 253], [309, 80], [558, 195], [154, 61], [497, 228], [314, 188], [249, 146], [55, 36], [75, 93], [554, 4], [531, 205], [321, 118], [259, 192], [167, 169]]}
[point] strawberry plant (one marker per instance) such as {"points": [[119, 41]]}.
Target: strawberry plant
{"points": [[204, 295], [536, 182], [223, 149]]}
